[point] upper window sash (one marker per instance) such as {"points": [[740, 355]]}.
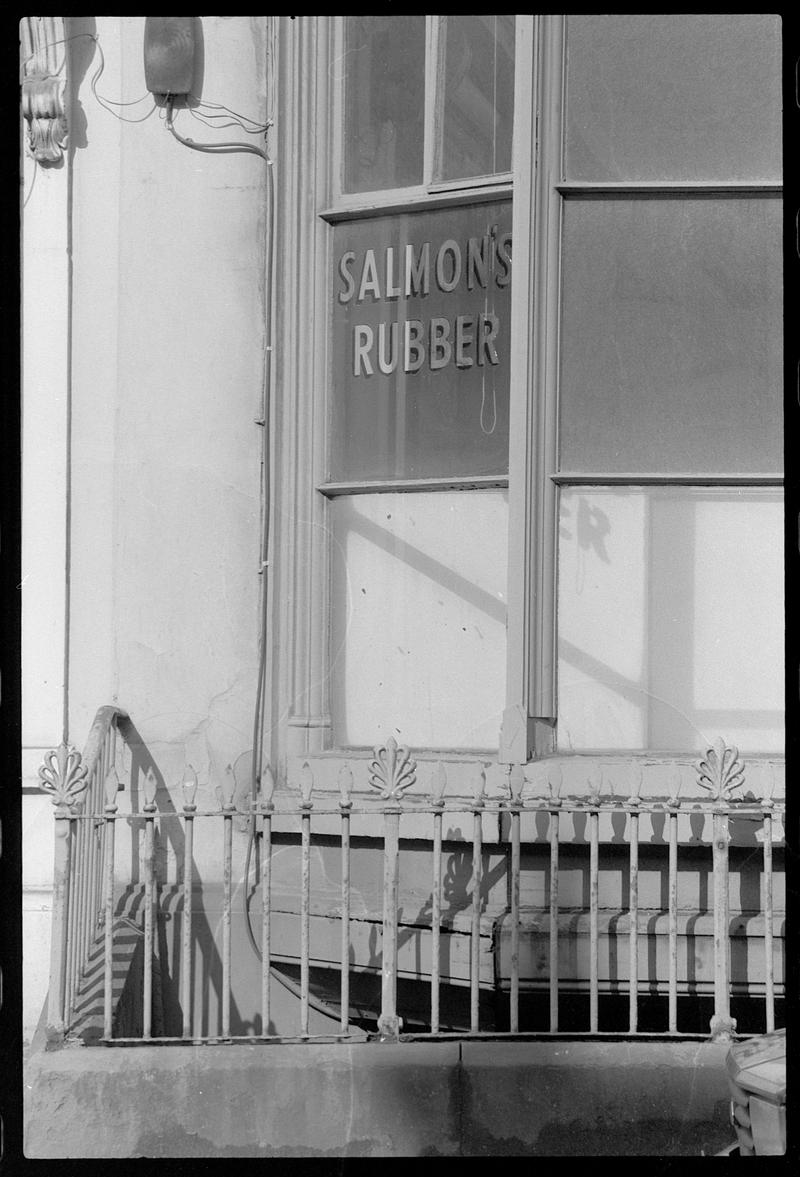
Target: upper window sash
{"points": [[431, 188]]}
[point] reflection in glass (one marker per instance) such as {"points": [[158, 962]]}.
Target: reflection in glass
{"points": [[478, 74], [673, 97], [670, 619], [418, 622], [672, 336], [384, 106]]}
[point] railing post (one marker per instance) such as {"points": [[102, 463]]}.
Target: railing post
{"points": [[63, 776], [225, 795], [189, 787], [390, 773], [265, 808], [149, 809], [673, 805], [438, 785], [554, 781], [345, 805], [516, 783], [721, 772], [306, 805], [110, 789]]}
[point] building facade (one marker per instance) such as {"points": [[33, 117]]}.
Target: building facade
{"points": [[402, 490]]}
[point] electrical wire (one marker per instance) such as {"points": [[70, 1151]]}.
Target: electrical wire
{"points": [[258, 719], [33, 181], [212, 148]]}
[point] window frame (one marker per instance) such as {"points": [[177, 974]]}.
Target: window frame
{"points": [[530, 722]]}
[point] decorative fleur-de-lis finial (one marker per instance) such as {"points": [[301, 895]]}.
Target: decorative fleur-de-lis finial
{"points": [[267, 788], [516, 783], [636, 785], [392, 771], [345, 786], [720, 771], [675, 782], [595, 783], [110, 790], [149, 787], [438, 785], [478, 788], [189, 788], [63, 775], [554, 780], [306, 786], [226, 790]]}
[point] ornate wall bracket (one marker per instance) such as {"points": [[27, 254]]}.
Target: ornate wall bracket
{"points": [[43, 86]]}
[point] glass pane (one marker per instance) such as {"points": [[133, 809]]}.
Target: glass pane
{"points": [[670, 619], [384, 102], [672, 336], [418, 627], [678, 97], [477, 67], [420, 344]]}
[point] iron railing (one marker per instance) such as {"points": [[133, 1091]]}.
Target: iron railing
{"points": [[89, 888]]}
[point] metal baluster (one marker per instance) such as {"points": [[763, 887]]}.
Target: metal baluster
{"points": [[189, 787], [516, 782], [306, 787], [266, 807], [477, 874], [721, 772], [554, 779], [390, 773], [633, 904], [225, 793], [595, 785], [345, 805], [673, 805], [72, 910], [438, 785], [769, 979], [149, 808], [111, 787]]}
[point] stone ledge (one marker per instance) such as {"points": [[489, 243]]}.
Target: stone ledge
{"points": [[467, 1098]]}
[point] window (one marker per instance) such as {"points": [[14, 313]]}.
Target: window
{"points": [[657, 410], [418, 391]]}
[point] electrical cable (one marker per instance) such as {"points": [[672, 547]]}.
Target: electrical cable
{"points": [[212, 148], [258, 720]]}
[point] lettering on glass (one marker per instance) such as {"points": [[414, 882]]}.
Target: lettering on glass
{"points": [[420, 334], [460, 339]]}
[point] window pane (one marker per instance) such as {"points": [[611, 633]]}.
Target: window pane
{"points": [[670, 619], [418, 626], [671, 334], [680, 97], [420, 344], [384, 102], [478, 77]]}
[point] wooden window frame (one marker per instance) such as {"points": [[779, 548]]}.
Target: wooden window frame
{"points": [[310, 137], [529, 722]]}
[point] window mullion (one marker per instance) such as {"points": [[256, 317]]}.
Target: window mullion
{"points": [[433, 96]]}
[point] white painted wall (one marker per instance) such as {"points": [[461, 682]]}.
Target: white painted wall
{"points": [[167, 331]]}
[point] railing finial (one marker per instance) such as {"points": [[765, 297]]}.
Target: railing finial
{"points": [[392, 771], [63, 775], [720, 771]]}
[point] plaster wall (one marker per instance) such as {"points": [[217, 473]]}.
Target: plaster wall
{"points": [[144, 316]]}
